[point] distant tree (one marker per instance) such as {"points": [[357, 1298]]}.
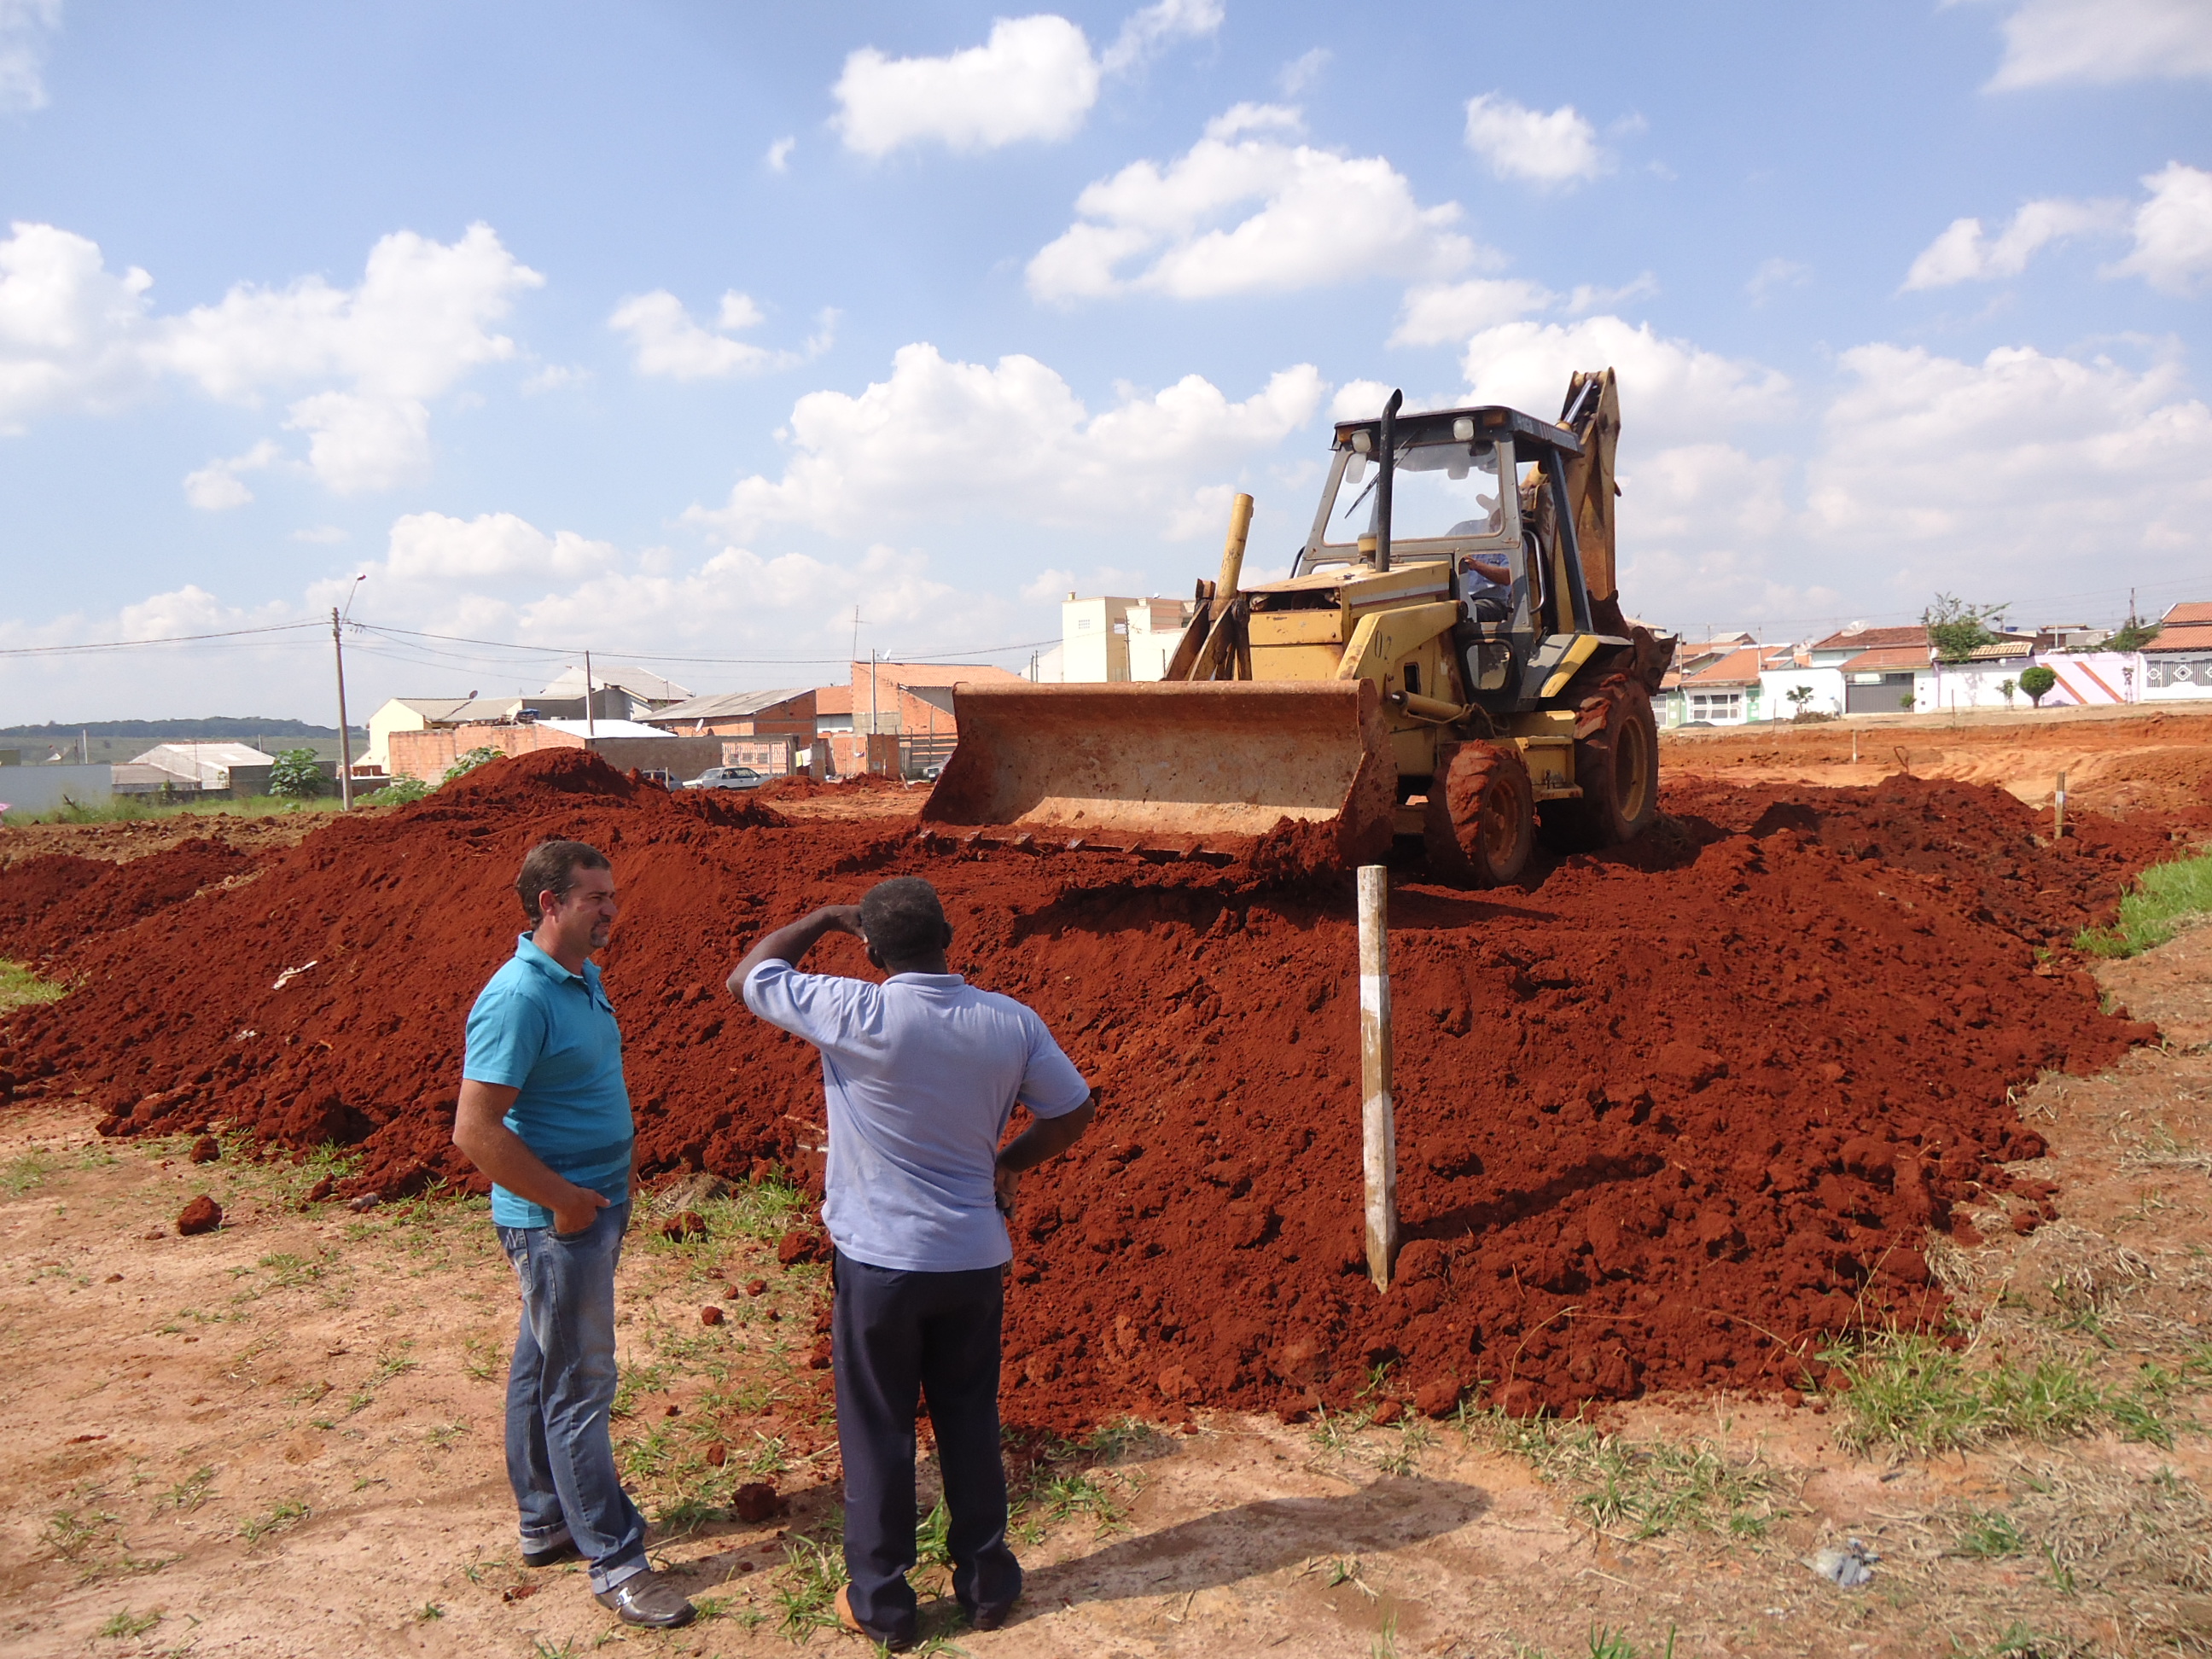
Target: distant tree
{"points": [[1907, 701], [2008, 687], [1798, 696], [295, 775], [2038, 683], [1958, 629], [2133, 637], [469, 760]]}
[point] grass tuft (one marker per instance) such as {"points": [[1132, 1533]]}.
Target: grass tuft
{"points": [[1907, 1390], [1640, 1489], [21, 988], [2168, 898]]}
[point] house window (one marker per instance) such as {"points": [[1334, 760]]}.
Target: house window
{"points": [[1717, 705]]}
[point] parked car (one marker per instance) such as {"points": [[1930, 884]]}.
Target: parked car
{"points": [[661, 775], [728, 777]]}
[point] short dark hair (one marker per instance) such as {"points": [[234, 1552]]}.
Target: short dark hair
{"points": [[551, 866], [902, 919]]}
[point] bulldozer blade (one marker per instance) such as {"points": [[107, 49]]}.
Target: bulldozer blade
{"points": [[1188, 766]]}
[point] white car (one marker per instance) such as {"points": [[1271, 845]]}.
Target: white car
{"points": [[728, 777]]}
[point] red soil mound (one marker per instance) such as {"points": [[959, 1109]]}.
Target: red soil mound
{"points": [[1664, 1120], [805, 788], [54, 900]]}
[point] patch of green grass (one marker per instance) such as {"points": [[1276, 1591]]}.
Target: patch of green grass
{"points": [[1907, 1390], [1641, 1488], [122, 1625], [26, 1174], [188, 1494], [1989, 1535], [285, 1517], [428, 1611], [19, 987], [813, 1573], [133, 808], [2168, 897]]}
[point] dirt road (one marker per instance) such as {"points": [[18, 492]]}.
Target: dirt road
{"points": [[2116, 760]]}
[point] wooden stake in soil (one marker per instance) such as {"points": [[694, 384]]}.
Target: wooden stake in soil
{"points": [[2058, 811], [1378, 1135]]}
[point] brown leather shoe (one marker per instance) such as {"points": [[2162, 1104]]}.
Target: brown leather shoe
{"points": [[648, 1599], [847, 1618]]}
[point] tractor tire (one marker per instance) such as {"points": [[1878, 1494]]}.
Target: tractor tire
{"points": [[1616, 763], [1481, 824]]}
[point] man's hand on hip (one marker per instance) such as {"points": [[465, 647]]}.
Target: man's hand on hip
{"points": [[578, 1213], [1005, 1185]]}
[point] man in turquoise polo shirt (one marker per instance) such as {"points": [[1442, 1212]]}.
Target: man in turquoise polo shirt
{"points": [[545, 1113]]}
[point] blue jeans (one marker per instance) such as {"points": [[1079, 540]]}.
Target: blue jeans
{"points": [[560, 1389]]}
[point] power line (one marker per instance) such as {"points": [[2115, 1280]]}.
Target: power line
{"points": [[127, 645]]}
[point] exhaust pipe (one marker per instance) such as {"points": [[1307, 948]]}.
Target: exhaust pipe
{"points": [[1390, 436]]}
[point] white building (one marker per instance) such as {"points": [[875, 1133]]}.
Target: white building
{"points": [[202, 765], [1107, 639]]}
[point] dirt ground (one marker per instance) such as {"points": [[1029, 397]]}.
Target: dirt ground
{"points": [[283, 1437], [2116, 760]]}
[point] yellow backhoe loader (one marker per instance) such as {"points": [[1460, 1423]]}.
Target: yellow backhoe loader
{"points": [[1448, 659]]}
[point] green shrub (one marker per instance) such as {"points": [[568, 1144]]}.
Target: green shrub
{"points": [[397, 793], [469, 762], [296, 775], [2038, 683]]}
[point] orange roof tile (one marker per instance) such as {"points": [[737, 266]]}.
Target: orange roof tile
{"points": [[833, 699], [2188, 610], [1739, 667], [1890, 659], [1872, 639], [2189, 637]]}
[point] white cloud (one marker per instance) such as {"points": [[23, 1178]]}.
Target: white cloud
{"points": [[1442, 312], [1589, 296], [1775, 273], [431, 549], [1303, 217], [321, 535], [2021, 471], [1555, 150], [2172, 232], [1166, 19], [74, 335], [1963, 253], [217, 486], [357, 443], [667, 342], [1358, 400], [419, 321], [779, 154], [943, 441], [1034, 78], [25, 26], [2104, 42], [1671, 391], [69, 328], [1303, 71]]}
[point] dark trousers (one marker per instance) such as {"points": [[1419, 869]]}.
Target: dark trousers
{"points": [[896, 1337]]}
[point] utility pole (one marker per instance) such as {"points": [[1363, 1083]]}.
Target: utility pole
{"points": [[345, 737], [591, 729], [868, 748]]}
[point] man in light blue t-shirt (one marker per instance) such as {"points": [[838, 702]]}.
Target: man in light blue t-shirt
{"points": [[921, 1074], [545, 1113]]}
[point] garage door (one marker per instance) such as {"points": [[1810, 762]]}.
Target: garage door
{"points": [[1886, 698]]}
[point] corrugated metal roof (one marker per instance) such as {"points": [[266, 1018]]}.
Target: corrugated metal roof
{"points": [[726, 705]]}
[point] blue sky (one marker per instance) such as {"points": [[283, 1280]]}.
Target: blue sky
{"points": [[684, 329]]}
